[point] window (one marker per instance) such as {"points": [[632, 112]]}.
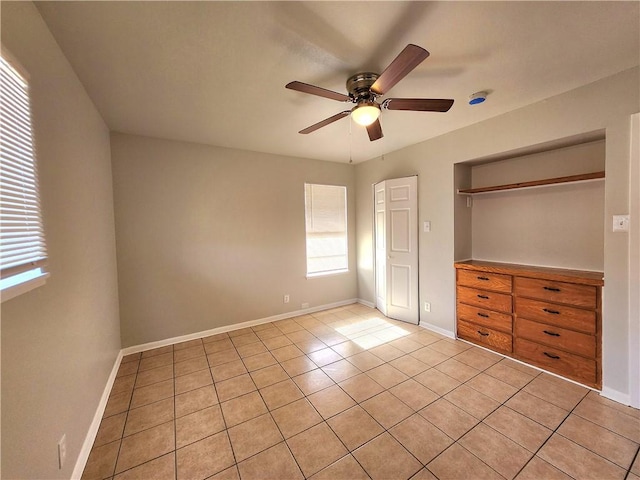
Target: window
{"points": [[23, 253], [326, 226]]}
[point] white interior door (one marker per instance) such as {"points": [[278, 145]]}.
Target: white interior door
{"points": [[397, 249]]}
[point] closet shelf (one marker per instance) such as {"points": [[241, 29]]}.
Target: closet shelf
{"points": [[535, 183]]}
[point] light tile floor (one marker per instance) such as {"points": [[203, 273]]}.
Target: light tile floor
{"points": [[349, 394]]}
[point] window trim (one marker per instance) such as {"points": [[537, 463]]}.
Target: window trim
{"points": [[327, 273], [336, 271], [24, 277], [24, 286]]}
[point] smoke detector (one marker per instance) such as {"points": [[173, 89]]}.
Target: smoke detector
{"points": [[478, 97]]}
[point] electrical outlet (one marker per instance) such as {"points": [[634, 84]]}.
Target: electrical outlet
{"points": [[427, 307], [62, 451], [285, 299], [304, 305]]}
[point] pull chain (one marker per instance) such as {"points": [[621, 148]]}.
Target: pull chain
{"points": [[350, 126]]}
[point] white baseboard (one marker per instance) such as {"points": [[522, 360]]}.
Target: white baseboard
{"points": [[617, 396], [366, 303], [236, 326], [441, 331], [83, 456]]}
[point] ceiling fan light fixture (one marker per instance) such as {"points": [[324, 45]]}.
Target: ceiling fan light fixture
{"points": [[365, 113]]}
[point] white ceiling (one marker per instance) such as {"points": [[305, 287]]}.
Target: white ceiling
{"points": [[214, 72]]}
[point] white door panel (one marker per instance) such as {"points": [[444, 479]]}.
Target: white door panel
{"points": [[400, 231], [402, 192], [400, 286]]}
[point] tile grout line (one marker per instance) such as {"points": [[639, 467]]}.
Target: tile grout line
{"points": [[224, 420], [124, 426], [632, 462]]}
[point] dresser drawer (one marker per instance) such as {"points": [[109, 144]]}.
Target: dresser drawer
{"points": [[572, 366], [487, 318], [485, 281], [567, 340], [555, 314], [484, 299], [560, 292], [494, 339]]}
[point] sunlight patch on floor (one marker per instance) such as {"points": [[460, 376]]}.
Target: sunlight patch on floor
{"points": [[371, 332]]}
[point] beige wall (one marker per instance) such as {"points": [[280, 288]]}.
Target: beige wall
{"points": [[60, 341], [555, 226], [209, 236], [605, 104], [555, 162]]}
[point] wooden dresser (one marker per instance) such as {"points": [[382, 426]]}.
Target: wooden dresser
{"points": [[547, 317]]}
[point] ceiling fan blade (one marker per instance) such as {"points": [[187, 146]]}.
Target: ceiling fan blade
{"points": [[325, 122], [321, 92], [375, 130], [418, 104], [407, 60]]}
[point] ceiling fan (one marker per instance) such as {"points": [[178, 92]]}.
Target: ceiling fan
{"points": [[365, 88]]}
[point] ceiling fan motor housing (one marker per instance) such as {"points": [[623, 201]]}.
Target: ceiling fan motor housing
{"points": [[359, 86]]}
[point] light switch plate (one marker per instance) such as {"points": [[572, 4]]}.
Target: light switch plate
{"points": [[427, 226], [621, 223]]}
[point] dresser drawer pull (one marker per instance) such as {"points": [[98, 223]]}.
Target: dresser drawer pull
{"points": [[555, 357], [482, 333], [552, 289], [553, 334], [483, 278], [553, 312], [483, 297], [483, 315]]}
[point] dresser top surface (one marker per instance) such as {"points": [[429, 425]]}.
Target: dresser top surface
{"points": [[532, 271]]}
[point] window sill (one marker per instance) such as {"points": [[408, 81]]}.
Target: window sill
{"points": [[16, 290], [327, 274]]}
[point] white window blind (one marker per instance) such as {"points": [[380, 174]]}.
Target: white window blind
{"points": [[22, 243], [326, 227]]}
